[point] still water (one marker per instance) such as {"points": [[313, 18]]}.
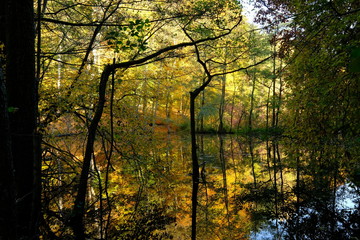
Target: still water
{"points": [[249, 189]]}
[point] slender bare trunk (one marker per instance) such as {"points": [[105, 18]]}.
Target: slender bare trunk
{"points": [[195, 166], [221, 128], [253, 78], [224, 175]]}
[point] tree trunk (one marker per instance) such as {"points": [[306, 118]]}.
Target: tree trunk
{"points": [[252, 100], [7, 188], [251, 150], [78, 212], [7, 181], [202, 115], [276, 200], [268, 108], [232, 109], [221, 128], [280, 96], [224, 177], [21, 87], [195, 161], [274, 99], [195, 166]]}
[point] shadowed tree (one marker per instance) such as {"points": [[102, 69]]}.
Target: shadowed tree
{"points": [[20, 153]]}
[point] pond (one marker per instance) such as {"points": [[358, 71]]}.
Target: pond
{"points": [[249, 189]]}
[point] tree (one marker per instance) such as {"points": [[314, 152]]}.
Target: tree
{"points": [[84, 46], [136, 59], [319, 46], [21, 149], [193, 95], [7, 200]]}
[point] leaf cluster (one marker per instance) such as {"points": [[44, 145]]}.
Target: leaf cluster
{"points": [[129, 37]]}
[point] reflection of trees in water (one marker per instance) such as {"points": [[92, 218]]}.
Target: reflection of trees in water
{"points": [[247, 188], [313, 203]]}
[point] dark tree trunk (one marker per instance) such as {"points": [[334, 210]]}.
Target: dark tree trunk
{"points": [[195, 165], [21, 87], [195, 161], [7, 188], [221, 128], [252, 99], [251, 150], [274, 99], [276, 200], [224, 175], [201, 128], [77, 221]]}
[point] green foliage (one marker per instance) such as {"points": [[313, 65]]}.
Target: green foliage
{"points": [[261, 133], [185, 126], [323, 74], [354, 65], [204, 6], [129, 37], [208, 110], [209, 129]]}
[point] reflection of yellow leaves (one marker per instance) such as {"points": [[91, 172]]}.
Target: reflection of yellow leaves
{"points": [[243, 213], [44, 167], [2, 52], [184, 221]]}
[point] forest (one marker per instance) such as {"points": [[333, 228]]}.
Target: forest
{"points": [[179, 119]]}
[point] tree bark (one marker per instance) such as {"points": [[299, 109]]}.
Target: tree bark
{"points": [[21, 87], [221, 128], [195, 166], [274, 99], [224, 177], [7, 181], [252, 99], [7, 188]]}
